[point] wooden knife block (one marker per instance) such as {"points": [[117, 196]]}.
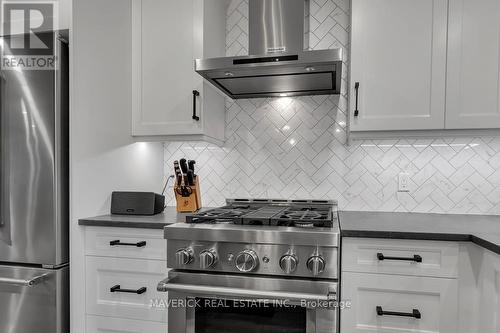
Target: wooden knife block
{"points": [[191, 203]]}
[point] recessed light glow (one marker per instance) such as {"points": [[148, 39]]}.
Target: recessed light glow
{"points": [[283, 95], [310, 69], [229, 74], [283, 102]]}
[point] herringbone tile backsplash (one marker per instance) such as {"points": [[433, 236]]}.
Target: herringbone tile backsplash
{"points": [[295, 147]]}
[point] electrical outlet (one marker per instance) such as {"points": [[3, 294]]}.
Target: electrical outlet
{"points": [[404, 182]]}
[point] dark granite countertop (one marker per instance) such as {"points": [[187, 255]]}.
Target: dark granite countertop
{"points": [[483, 230], [169, 216]]}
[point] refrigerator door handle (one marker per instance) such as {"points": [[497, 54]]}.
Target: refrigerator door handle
{"points": [[24, 283]]}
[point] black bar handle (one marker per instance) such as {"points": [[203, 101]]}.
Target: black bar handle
{"points": [[196, 93], [414, 314], [117, 289], [416, 258], [117, 242], [356, 88]]}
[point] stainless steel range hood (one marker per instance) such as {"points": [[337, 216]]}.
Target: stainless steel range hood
{"points": [[278, 65]]}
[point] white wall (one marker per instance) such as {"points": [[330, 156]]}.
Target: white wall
{"points": [[104, 156], [294, 147]]}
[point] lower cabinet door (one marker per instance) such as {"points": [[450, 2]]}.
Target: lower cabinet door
{"points": [[396, 304], [489, 294], [125, 288], [98, 324]]}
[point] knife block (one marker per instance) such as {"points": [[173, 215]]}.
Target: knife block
{"points": [[189, 203]]}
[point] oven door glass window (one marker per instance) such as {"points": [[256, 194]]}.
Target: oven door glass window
{"points": [[244, 316]]}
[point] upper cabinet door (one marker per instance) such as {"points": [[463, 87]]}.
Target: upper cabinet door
{"points": [[473, 90], [398, 56], [164, 48]]}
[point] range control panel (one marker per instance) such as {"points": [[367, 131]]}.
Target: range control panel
{"points": [[265, 259]]}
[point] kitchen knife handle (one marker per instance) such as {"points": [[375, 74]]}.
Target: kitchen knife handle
{"points": [[414, 314], [196, 93], [191, 164], [190, 177], [178, 174], [356, 89], [183, 165], [117, 289]]}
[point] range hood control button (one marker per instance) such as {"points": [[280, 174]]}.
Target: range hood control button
{"points": [[184, 256]]}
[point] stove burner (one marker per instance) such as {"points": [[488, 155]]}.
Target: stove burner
{"points": [[300, 224], [309, 215]]}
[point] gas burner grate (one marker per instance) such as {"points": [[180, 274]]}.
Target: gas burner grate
{"points": [[227, 215], [262, 216], [304, 217], [290, 215]]}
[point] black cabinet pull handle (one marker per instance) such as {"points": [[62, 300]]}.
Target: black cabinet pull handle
{"points": [[118, 243], [117, 289], [416, 258], [356, 88], [196, 93], [414, 314]]}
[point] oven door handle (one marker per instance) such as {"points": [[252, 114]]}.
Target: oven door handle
{"points": [[166, 285]]}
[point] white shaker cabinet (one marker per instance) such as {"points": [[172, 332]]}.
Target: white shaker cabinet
{"points": [[396, 303], [398, 57], [473, 86], [167, 36], [399, 286], [122, 269], [489, 294]]}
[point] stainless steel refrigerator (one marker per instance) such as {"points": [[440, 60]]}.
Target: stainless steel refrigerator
{"points": [[34, 198]]}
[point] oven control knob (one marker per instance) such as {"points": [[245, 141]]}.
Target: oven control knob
{"points": [[247, 261], [184, 256], [316, 264], [288, 263], [208, 258]]}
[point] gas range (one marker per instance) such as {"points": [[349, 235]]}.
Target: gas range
{"points": [[292, 238], [254, 258]]}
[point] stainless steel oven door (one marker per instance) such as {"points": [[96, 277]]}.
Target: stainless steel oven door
{"points": [[209, 303]]}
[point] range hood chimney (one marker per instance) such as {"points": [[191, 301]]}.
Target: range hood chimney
{"points": [[277, 65], [276, 26]]}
